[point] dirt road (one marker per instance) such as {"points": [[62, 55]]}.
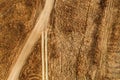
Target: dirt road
{"points": [[34, 36]]}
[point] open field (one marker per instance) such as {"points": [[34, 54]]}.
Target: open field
{"points": [[83, 39]]}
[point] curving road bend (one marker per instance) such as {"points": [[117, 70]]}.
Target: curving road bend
{"points": [[34, 36]]}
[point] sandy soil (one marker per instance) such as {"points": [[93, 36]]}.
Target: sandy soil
{"points": [[83, 39]]}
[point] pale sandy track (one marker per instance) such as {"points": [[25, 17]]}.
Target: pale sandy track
{"points": [[34, 36]]}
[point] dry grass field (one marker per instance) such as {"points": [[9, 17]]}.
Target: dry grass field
{"points": [[83, 39]]}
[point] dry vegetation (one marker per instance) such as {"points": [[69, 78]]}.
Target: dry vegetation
{"points": [[83, 39]]}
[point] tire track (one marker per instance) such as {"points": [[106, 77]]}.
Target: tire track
{"points": [[34, 36]]}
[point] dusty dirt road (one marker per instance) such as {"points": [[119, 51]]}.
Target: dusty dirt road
{"points": [[34, 36]]}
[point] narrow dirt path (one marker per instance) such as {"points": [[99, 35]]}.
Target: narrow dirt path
{"points": [[34, 36]]}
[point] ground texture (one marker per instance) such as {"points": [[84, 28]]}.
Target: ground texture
{"points": [[83, 39]]}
